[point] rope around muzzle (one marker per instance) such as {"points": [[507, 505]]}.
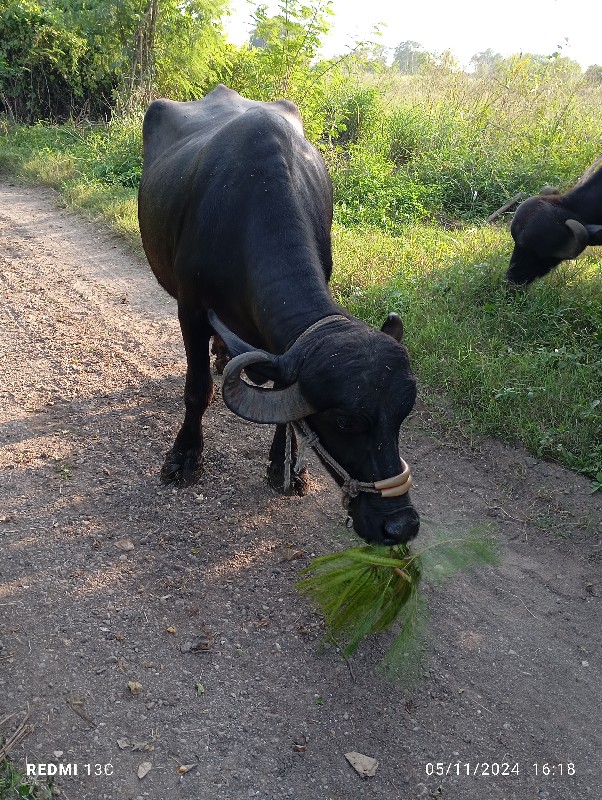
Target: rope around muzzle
{"points": [[396, 486]]}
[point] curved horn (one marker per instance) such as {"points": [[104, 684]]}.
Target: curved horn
{"points": [[578, 242], [271, 406]]}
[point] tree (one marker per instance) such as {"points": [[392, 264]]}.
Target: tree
{"points": [[410, 57], [42, 62], [445, 60], [486, 62], [593, 75], [190, 49], [173, 48], [284, 46], [281, 59], [61, 58], [370, 57]]}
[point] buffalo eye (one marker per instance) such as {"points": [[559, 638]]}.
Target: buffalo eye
{"points": [[348, 424]]}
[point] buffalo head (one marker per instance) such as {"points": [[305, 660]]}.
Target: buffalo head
{"points": [[353, 387], [546, 231]]}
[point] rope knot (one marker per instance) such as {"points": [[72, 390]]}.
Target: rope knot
{"points": [[288, 458], [308, 439], [350, 488], [311, 438]]}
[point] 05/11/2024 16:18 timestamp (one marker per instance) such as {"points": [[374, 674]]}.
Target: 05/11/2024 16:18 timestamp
{"points": [[486, 769]]}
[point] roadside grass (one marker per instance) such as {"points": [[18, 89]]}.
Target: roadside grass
{"points": [[96, 168], [525, 368], [14, 784], [14, 781]]}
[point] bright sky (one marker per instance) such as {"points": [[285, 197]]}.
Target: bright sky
{"points": [[465, 27]]}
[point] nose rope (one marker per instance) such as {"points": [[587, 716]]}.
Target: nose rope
{"points": [[308, 439], [396, 486]]}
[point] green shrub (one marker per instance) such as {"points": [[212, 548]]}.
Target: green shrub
{"points": [[353, 112], [46, 65], [369, 191], [462, 145], [114, 152]]}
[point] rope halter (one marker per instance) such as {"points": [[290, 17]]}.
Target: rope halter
{"points": [[396, 486]]}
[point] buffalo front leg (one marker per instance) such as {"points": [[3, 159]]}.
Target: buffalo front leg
{"points": [[300, 483], [183, 462]]}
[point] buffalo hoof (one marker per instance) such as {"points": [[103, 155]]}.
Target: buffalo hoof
{"points": [[300, 484], [183, 468], [514, 289]]}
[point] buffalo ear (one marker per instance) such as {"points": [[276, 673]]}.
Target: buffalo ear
{"points": [[393, 326], [548, 190], [595, 234]]}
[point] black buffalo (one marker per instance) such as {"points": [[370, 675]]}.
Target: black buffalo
{"points": [[235, 211], [553, 227]]}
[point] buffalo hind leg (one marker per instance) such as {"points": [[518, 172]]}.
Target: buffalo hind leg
{"points": [[183, 462], [301, 483], [220, 351]]}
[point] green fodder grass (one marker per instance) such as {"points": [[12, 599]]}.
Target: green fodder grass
{"points": [[525, 367], [365, 590]]}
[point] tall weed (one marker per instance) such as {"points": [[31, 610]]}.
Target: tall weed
{"points": [[465, 144]]}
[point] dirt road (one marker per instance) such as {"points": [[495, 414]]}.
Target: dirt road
{"points": [[145, 625]]}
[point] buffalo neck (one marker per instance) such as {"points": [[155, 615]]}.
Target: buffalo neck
{"points": [[586, 199], [284, 309]]}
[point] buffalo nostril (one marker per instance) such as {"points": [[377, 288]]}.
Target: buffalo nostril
{"points": [[402, 528]]}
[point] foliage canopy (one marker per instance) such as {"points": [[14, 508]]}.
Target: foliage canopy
{"points": [[76, 58]]}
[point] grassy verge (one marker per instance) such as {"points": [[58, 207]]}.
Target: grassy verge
{"points": [[525, 368], [14, 784], [95, 168]]}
